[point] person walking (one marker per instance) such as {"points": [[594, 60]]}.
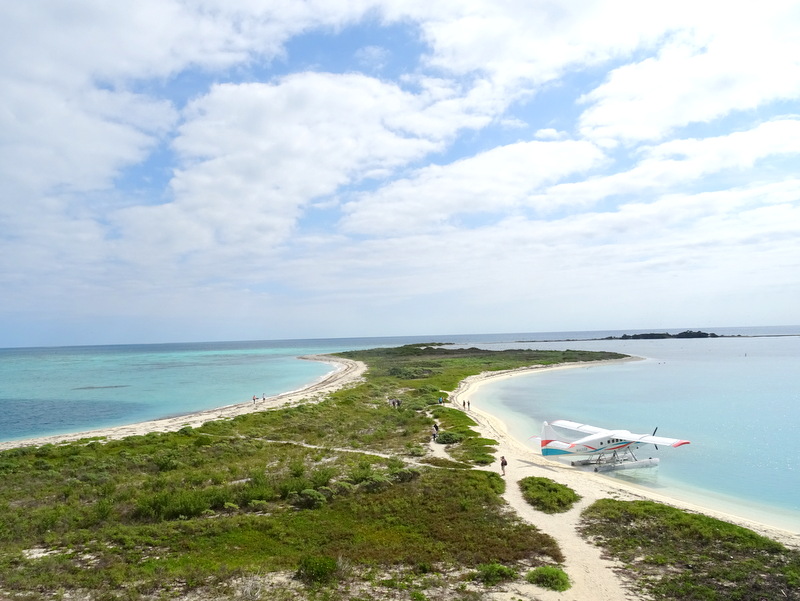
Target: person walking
{"points": [[503, 464]]}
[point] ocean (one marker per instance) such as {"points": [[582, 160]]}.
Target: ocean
{"points": [[736, 398]]}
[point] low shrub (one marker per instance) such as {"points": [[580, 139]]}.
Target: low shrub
{"points": [[548, 496], [375, 483], [362, 472], [406, 474], [415, 450], [549, 577], [322, 476], [308, 499], [449, 437], [343, 488], [494, 573], [317, 570]]}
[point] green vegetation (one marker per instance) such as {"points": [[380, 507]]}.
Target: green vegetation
{"points": [[340, 497], [221, 506], [317, 570], [494, 573], [549, 577], [662, 335], [680, 555], [548, 496], [456, 427]]}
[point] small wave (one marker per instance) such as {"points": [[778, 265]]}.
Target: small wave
{"points": [[99, 387]]}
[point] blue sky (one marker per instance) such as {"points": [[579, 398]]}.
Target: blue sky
{"points": [[240, 169]]}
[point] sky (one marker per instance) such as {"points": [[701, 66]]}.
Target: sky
{"points": [[193, 170]]}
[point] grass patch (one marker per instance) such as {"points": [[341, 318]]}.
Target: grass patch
{"points": [[681, 555], [317, 570], [494, 573], [447, 463], [456, 429], [549, 577], [548, 496]]}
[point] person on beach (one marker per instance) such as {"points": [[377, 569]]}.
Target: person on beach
{"points": [[503, 464], [254, 399]]}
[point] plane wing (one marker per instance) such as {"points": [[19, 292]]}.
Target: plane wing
{"points": [[656, 440], [576, 427], [588, 432]]}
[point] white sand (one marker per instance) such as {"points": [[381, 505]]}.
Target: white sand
{"points": [[347, 372], [592, 576]]}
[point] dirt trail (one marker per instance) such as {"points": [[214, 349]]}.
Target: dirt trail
{"points": [[592, 576]]}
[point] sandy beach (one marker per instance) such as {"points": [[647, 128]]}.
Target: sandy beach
{"points": [[592, 575]]}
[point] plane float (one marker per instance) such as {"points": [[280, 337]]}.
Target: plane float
{"points": [[607, 449]]}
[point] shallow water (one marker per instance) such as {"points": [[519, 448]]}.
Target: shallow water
{"points": [[736, 399]]}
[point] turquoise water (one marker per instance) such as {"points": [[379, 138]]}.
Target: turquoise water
{"points": [[736, 399], [61, 390], [47, 391]]}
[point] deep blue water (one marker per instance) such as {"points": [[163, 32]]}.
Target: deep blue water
{"points": [[737, 399]]}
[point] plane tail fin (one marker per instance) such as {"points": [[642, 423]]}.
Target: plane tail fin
{"points": [[551, 445]]}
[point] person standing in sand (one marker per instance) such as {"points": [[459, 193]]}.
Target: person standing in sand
{"points": [[503, 464]]}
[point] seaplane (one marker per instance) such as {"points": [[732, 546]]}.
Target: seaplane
{"points": [[607, 449]]}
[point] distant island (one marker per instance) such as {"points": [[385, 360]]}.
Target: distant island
{"points": [[658, 336], [649, 336]]}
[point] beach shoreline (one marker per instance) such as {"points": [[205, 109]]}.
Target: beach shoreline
{"points": [[588, 484], [593, 574], [345, 373]]}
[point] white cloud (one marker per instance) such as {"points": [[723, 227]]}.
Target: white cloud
{"points": [[682, 162], [372, 57], [254, 155], [550, 134], [736, 61], [532, 154], [76, 141], [496, 181]]}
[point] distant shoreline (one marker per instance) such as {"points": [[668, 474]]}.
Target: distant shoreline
{"points": [[658, 337]]}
